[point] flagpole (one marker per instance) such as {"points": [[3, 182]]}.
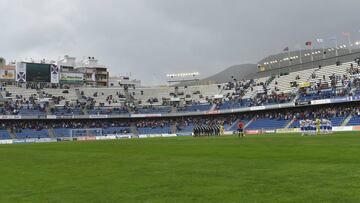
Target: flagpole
{"points": [[300, 56], [312, 56], [349, 43], [289, 56], [323, 47], [336, 48]]}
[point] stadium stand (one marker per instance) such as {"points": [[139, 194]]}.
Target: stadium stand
{"points": [[43, 111]]}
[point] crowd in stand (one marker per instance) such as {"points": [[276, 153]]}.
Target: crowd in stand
{"points": [[310, 113], [21, 103], [152, 124], [338, 85], [18, 126], [213, 123]]}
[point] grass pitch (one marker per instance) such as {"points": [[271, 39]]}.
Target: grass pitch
{"points": [[272, 168]]}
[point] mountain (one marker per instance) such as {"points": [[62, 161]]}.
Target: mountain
{"points": [[237, 71]]}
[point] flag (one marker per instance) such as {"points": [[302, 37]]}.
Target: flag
{"points": [[309, 43], [286, 49], [319, 40], [346, 34]]}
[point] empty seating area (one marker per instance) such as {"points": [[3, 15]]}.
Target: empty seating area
{"points": [[153, 109], [30, 111], [16, 92], [323, 94], [185, 128], [324, 73], [283, 83], [267, 124], [116, 130], [355, 120], [200, 93], [234, 104], [105, 96], [68, 95], [63, 111], [254, 89], [143, 95], [196, 108], [62, 132], [154, 130], [4, 134], [107, 111], [31, 133]]}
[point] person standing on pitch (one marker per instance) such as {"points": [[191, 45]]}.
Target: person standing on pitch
{"points": [[318, 125], [222, 129], [240, 129]]}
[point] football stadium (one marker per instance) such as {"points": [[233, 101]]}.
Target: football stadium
{"points": [[285, 128]]}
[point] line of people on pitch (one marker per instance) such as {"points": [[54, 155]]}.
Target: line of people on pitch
{"points": [[208, 130]]}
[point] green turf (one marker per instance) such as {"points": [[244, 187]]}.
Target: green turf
{"points": [[256, 169]]}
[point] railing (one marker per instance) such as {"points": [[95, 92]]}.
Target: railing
{"points": [[181, 114]]}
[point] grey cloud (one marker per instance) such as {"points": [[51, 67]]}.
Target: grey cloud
{"points": [[153, 37]]}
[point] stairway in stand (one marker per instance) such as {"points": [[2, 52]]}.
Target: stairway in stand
{"points": [[12, 134], [51, 133], [347, 119], [134, 129], [290, 123]]}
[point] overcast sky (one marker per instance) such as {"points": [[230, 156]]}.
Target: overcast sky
{"points": [[151, 38]]}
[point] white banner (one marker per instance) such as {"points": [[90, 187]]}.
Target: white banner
{"points": [[256, 108], [21, 72], [143, 136], [10, 117], [169, 135], [55, 73], [323, 101], [6, 141], [98, 116], [154, 135], [108, 137], [51, 116], [71, 78], [342, 128]]}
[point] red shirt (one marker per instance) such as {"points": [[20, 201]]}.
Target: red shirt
{"points": [[240, 125]]}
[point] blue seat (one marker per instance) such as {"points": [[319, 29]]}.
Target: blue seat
{"points": [[62, 132], [267, 124], [4, 134], [158, 130], [234, 105], [162, 109], [116, 130], [186, 129], [196, 107], [355, 120], [30, 133]]}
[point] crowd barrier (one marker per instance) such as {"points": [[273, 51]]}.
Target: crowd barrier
{"points": [[185, 134], [156, 135], [254, 132], [131, 136], [6, 141], [289, 130]]}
